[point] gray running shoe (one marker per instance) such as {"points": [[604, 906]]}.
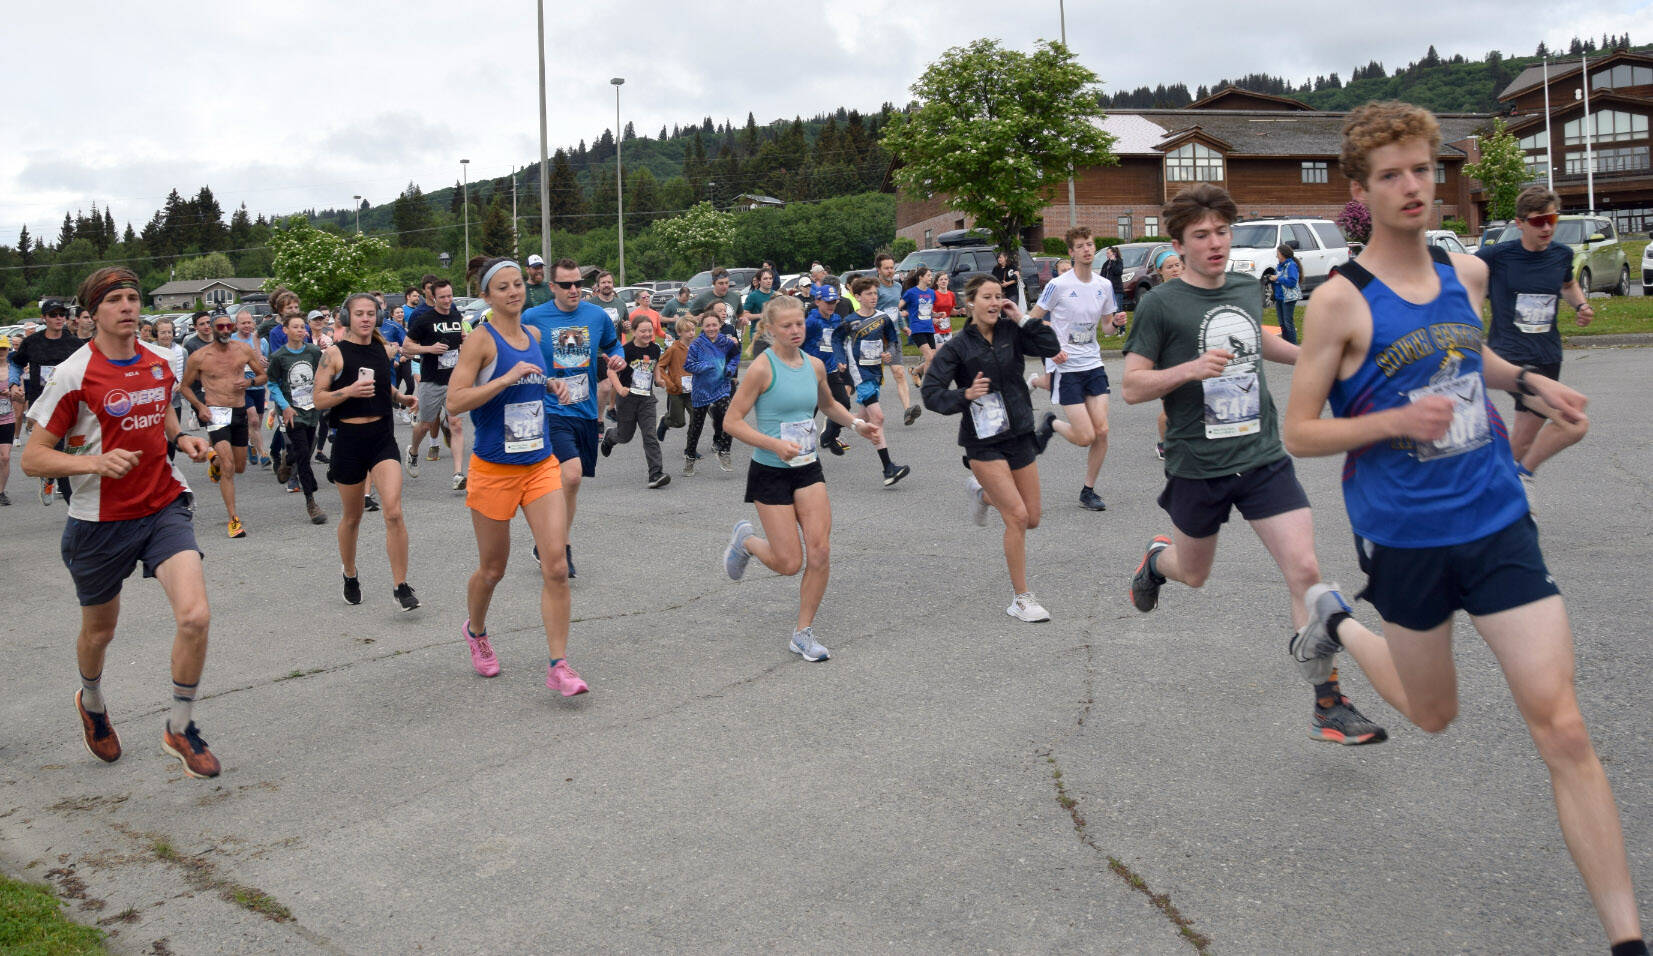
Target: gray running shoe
{"points": [[1315, 648], [806, 646], [1146, 582], [735, 556], [978, 502], [724, 461]]}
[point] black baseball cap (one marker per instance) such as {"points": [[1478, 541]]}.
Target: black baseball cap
{"points": [[49, 306]]}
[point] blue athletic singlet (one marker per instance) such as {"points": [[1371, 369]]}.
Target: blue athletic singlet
{"points": [[786, 409], [510, 427], [1407, 494]]}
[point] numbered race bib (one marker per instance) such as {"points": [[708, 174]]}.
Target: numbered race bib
{"points": [[942, 337], [1534, 313], [448, 359], [1082, 335], [304, 395], [871, 351], [802, 434], [925, 310], [988, 415], [1233, 405], [642, 381], [579, 389], [1469, 429], [688, 383], [46, 373], [524, 427], [5, 405], [218, 416]]}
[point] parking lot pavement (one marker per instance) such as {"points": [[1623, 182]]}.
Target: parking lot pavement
{"points": [[950, 780]]}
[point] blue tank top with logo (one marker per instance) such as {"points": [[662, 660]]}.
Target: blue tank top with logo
{"points": [[510, 427], [786, 410], [1403, 493]]}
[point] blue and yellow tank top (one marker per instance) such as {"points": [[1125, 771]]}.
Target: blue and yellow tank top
{"points": [[510, 427]]}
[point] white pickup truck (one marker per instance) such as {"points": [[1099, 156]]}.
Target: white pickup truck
{"points": [[1319, 245]]}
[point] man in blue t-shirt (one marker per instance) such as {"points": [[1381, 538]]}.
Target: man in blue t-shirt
{"points": [[574, 336], [1526, 282]]}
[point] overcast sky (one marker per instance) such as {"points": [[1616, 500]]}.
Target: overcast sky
{"points": [[305, 103]]}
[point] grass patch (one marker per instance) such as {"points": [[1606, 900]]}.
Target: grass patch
{"points": [[163, 850], [32, 923], [251, 898]]}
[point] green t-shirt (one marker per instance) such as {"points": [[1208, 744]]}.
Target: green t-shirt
{"points": [[704, 300], [615, 307], [537, 294], [293, 374], [1224, 425], [755, 300]]}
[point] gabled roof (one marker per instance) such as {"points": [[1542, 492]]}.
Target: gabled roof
{"points": [[1532, 76], [193, 286], [1571, 107], [1283, 133], [1177, 137], [1234, 93]]}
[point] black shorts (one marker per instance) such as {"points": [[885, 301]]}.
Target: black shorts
{"points": [[923, 338], [358, 446], [1018, 450], [1200, 506], [101, 554], [235, 432], [573, 438], [8, 433], [1548, 371], [768, 485], [1418, 588], [255, 399]]}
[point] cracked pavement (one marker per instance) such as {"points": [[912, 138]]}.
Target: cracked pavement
{"points": [[713, 792]]}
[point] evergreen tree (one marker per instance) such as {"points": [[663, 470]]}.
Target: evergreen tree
{"points": [[497, 238], [565, 195], [109, 228], [410, 217], [66, 235], [209, 229], [25, 251], [456, 202], [241, 229]]}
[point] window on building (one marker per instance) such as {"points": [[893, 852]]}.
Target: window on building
{"points": [[1535, 141], [1538, 164], [1150, 225], [1124, 223], [1633, 218], [1440, 172], [1621, 76], [1619, 159], [1611, 126], [928, 241], [1313, 171], [1193, 163]]}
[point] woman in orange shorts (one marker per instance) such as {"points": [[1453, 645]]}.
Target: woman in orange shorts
{"points": [[500, 379]]}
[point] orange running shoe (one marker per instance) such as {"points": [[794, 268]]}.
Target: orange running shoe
{"points": [[191, 751]]}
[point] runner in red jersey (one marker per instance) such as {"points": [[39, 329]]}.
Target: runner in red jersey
{"points": [[111, 404]]}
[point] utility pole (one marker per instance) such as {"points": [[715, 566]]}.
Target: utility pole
{"points": [[1073, 208], [515, 244], [619, 181], [545, 190], [465, 173]]}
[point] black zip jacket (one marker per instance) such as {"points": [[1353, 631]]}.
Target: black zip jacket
{"points": [[956, 364]]}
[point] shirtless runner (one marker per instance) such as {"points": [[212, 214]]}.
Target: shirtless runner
{"points": [[220, 368]]}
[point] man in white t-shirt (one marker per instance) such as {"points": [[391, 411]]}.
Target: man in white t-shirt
{"points": [[1075, 302]]}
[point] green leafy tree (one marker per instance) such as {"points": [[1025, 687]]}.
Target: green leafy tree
{"points": [[1502, 171], [214, 265], [902, 247], [702, 235], [997, 130], [323, 267]]}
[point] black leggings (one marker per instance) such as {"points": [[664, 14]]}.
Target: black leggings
{"points": [[301, 439], [697, 421], [838, 385]]}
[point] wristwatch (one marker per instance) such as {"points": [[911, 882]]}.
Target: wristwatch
{"points": [[1521, 381]]}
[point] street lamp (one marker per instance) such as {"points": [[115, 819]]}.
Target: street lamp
{"points": [[619, 182], [446, 259], [545, 184], [358, 214], [1073, 209], [465, 186]]}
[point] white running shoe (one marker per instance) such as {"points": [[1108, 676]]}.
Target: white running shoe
{"points": [[1026, 607], [978, 502]]}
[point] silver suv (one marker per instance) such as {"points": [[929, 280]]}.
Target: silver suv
{"points": [[1319, 245]]}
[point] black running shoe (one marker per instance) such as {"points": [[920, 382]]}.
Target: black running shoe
{"points": [[1041, 435], [660, 432], [895, 473], [352, 591], [404, 595], [1088, 498], [322, 457], [1342, 724], [369, 504], [1145, 582], [836, 446], [606, 447], [660, 481]]}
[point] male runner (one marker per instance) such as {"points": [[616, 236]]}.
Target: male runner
{"points": [[1076, 301], [1439, 517], [603, 297], [220, 368], [435, 335], [821, 341], [292, 376], [246, 332], [678, 305], [720, 292], [37, 360], [1523, 279], [889, 304], [539, 291], [111, 402], [866, 340], [1199, 345], [575, 336]]}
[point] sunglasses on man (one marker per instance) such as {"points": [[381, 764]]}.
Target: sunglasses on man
{"points": [[575, 284], [1543, 219]]}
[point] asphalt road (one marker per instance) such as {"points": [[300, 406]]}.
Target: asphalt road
{"points": [[952, 780]]}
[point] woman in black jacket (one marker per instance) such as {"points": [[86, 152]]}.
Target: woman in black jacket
{"points": [[1113, 269], [979, 373]]}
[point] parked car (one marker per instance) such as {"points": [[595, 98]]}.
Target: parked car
{"points": [[1319, 245], [1136, 261], [964, 262], [1496, 230], [1446, 239], [1647, 270], [740, 279], [1599, 263]]}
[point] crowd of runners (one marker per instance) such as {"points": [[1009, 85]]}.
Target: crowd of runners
{"points": [[551, 381]]}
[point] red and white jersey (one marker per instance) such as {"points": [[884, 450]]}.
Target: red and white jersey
{"points": [[97, 406]]}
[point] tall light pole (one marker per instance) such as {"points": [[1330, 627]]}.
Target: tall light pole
{"points": [[1073, 208], [465, 186], [358, 214], [545, 173], [619, 181], [1589, 134]]}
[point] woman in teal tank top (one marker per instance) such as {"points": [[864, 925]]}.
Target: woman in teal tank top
{"points": [[500, 379], [784, 479]]}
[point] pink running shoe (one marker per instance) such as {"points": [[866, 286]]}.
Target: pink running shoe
{"points": [[482, 653], [563, 678]]}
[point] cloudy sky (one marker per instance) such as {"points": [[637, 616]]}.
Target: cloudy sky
{"points": [[307, 103]]}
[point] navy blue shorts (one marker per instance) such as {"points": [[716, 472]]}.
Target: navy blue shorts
{"points": [[1548, 370], [1200, 506], [1072, 388], [101, 554], [573, 438], [1418, 588], [255, 399]]}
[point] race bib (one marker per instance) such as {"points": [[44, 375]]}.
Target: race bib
{"points": [[613, 314], [304, 395], [942, 337], [218, 416], [5, 405], [448, 359], [1534, 313], [46, 373], [925, 309], [1469, 429], [642, 381], [871, 351], [988, 415], [579, 389], [688, 383], [802, 434], [1233, 405], [1082, 335], [524, 427]]}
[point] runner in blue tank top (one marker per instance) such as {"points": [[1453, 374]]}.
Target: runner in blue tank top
{"points": [[500, 379], [1439, 517], [784, 480]]}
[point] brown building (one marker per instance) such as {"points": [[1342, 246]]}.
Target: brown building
{"points": [[1621, 99]]}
